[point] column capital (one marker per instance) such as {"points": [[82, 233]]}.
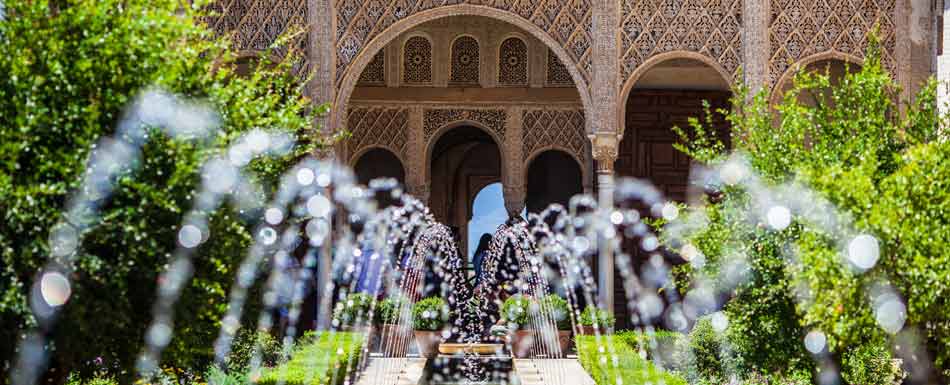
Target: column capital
{"points": [[514, 199], [605, 147]]}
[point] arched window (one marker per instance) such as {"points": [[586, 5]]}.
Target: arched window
{"points": [[488, 212], [513, 62], [465, 61], [417, 61]]}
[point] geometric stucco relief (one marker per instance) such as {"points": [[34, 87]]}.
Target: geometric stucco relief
{"points": [[557, 74], [709, 27], [436, 118], [385, 127], [256, 24], [375, 72], [800, 29], [557, 129], [568, 22]]}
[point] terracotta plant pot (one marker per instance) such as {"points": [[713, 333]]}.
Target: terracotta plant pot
{"points": [[564, 340], [394, 340], [428, 342], [522, 341]]}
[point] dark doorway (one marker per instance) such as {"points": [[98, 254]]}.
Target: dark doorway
{"points": [[464, 160], [667, 96], [553, 177], [379, 163]]}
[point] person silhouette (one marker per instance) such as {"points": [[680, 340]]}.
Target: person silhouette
{"points": [[479, 255]]}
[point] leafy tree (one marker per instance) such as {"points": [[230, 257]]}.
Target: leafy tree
{"points": [[882, 171], [70, 69]]}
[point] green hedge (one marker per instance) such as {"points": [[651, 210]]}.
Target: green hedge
{"points": [[318, 359], [630, 367]]}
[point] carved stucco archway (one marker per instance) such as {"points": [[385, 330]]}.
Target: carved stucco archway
{"points": [[434, 137], [775, 96], [651, 63], [367, 52]]}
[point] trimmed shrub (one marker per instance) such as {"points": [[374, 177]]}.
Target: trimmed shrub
{"points": [[518, 311], [629, 368], [593, 315], [430, 314], [242, 350], [328, 356], [387, 311], [353, 311], [558, 309]]}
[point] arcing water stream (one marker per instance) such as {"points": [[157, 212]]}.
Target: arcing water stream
{"points": [[383, 243]]}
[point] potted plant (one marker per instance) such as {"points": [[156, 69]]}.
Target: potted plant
{"points": [[393, 336], [559, 312], [429, 317], [594, 318], [516, 312], [352, 314]]}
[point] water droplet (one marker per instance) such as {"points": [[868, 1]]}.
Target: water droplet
{"points": [[779, 217], [189, 236], [689, 252], [318, 206], [670, 211], [159, 334], [258, 140], [268, 235], [63, 240], [864, 251], [890, 313], [732, 172], [649, 243], [323, 180], [719, 321], [305, 176], [815, 341], [55, 288], [274, 215], [616, 217]]}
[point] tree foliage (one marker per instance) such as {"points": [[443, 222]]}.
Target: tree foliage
{"points": [[883, 171], [70, 68]]}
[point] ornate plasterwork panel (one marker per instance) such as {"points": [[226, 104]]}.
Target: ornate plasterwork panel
{"points": [[465, 59], [513, 62], [385, 126], [434, 119], [417, 61], [709, 27], [568, 22], [803, 28], [550, 128], [556, 74], [256, 24], [375, 72]]}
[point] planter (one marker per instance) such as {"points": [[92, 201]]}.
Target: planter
{"points": [[521, 342], [564, 340], [589, 330], [393, 340], [428, 342]]}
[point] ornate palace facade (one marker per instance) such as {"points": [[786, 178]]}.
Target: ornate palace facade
{"points": [[554, 97]]}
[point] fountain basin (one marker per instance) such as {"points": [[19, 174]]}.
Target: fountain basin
{"points": [[469, 369], [471, 348]]}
